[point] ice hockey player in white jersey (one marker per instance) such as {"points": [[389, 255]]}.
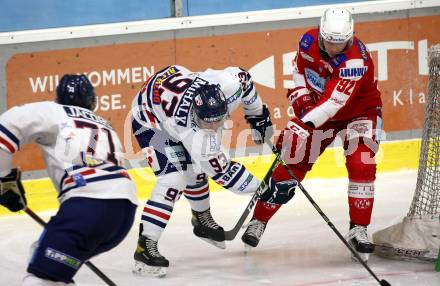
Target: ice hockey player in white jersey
{"points": [[83, 157], [178, 118]]}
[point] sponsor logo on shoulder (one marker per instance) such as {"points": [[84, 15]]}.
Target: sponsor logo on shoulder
{"points": [[306, 42], [182, 110], [352, 72]]}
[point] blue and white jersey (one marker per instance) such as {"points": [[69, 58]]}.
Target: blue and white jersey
{"points": [[81, 149], [165, 103]]}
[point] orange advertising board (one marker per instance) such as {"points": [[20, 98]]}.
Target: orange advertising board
{"points": [[399, 48]]}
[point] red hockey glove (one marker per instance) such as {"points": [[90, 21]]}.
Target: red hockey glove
{"points": [[302, 100], [294, 136]]}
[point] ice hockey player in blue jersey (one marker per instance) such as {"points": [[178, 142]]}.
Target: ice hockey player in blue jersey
{"points": [[82, 153], [178, 119]]}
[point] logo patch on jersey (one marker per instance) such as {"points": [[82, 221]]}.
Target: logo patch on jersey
{"points": [[245, 183], [230, 174], [360, 128], [157, 92], [353, 73], [362, 50], [306, 42], [175, 154], [63, 258], [252, 100], [198, 100], [182, 110], [338, 60], [234, 97], [315, 80]]}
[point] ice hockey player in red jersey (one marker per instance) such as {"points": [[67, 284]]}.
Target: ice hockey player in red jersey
{"points": [[335, 94], [178, 118]]}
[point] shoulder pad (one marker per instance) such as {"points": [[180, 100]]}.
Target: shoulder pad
{"points": [[362, 49], [306, 42]]}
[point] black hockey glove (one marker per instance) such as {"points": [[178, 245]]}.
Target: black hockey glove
{"points": [[261, 126], [279, 192], [12, 191]]}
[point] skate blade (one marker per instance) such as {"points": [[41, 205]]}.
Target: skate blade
{"points": [[145, 270], [363, 256], [219, 244]]}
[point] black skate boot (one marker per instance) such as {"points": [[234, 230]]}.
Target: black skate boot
{"points": [[147, 259], [358, 239], [254, 231], [207, 229]]}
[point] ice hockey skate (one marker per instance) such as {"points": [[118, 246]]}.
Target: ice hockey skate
{"points": [[147, 259], [251, 237], [207, 229], [358, 239]]}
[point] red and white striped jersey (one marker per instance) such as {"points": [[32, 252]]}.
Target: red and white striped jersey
{"points": [[81, 149]]}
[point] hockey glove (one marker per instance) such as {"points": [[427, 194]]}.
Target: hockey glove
{"points": [[261, 126], [302, 99], [279, 192], [294, 136], [12, 191]]}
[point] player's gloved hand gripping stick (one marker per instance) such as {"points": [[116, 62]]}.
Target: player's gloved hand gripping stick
{"points": [[269, 191], [12, 197]]}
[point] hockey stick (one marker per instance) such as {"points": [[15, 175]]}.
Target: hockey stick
{"points": [[382, 282], [88, 263], [231, 234]]}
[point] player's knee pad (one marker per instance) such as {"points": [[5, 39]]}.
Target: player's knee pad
{"points": [[361, 165]]}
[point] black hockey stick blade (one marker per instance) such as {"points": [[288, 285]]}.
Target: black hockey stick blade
{"points": [[89, 264], [383, 282], [231, 234]]}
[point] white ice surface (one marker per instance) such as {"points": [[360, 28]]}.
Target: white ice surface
{"points": [[297, 249]]}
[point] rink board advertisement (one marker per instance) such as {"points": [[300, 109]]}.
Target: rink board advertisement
{"points": [[118, 71]]}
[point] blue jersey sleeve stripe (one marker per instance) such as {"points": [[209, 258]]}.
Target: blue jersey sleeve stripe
{"points": [[10, 135]]}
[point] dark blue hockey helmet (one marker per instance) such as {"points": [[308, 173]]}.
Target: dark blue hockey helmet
{"points": [[76, 90], [210, 106]]}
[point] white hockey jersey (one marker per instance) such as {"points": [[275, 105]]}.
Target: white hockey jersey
{"points": [[81, 150], [164, 103]]}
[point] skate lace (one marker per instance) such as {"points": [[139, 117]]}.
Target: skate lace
{"points": [[255, 228], [151, 247], [360, 233], [207, 220]]}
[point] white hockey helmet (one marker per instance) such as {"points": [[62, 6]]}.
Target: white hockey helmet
{"points": [[336, 26]]}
